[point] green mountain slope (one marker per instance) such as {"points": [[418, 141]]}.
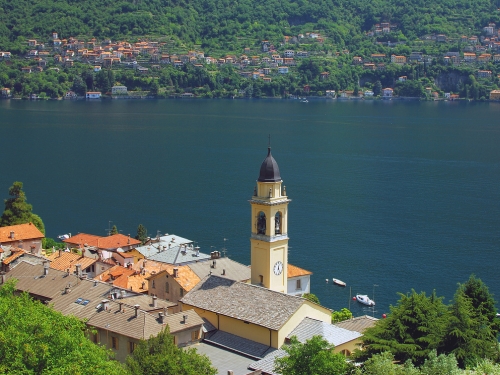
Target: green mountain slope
{"points": [[226, 24]]}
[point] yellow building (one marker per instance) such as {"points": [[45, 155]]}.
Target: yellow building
{"points": [[269, 228], [250, 311]]}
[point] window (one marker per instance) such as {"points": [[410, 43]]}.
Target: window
{"points": [[153, 284], [114, 342], [167, 287], [131, 346], [261, 279], [299, 284], [195, 335], [277, 223], [261, 223], [182, 292], [346, 352], [95, 337]]}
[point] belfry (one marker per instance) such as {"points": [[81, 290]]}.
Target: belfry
{"points": [[269, 233]]}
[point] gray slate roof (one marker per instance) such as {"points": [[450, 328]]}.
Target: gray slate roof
{"points": [[266, 365], [232, 270], [170, 250], [243, 301], [30, 279], [333, 334], [358, 324]]}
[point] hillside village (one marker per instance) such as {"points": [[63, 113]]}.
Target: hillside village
{"points": [[127, 290], [147, 68]]}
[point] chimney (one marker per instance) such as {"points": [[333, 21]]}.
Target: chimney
{"points": [[165, 311], [136, 307], [123, 294], [176, 272], [223, 272], [155, 302], [105, 304], [12, 235], [230, 372], [161, 316], [45, 267], [67, 289], [78, 270], [197, 249], [120, 304], [60, 252], [184, 319], [143, 285]]}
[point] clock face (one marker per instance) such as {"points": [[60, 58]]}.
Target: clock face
{"points": [[278, 268]]}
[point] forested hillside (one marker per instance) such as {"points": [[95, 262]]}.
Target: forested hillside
{"points": [[232, 24]]}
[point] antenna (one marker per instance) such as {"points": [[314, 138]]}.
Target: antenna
{"points": [[269, 143], [224, 250], [109, 228]]}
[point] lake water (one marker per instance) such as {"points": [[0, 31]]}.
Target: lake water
{"points": [[387, 196]]}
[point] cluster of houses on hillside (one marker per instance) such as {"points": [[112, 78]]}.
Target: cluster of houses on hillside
{"points": [[128, 291]]}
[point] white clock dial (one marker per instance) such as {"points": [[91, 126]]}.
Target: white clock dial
{"points": [[278, 268]]}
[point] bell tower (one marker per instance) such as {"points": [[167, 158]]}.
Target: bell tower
{"points": [[269, 232]]}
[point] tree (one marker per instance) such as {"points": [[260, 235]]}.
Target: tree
{"points": [[35, 339], [415, 327], [311, 297], [383, 364], [159, 355], [340, 316], [142, 234], [314, 357], [470, 335], [377, 88], [114, 230], [18, 210]]}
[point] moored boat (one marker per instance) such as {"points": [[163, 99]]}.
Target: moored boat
{"points": [[339, 282], [363, 298]]}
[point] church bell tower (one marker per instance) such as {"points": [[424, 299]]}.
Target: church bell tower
{"points": [[269, 238]]}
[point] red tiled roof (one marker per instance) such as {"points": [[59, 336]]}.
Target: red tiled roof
{"points": [[61, 260], [82, 238], [117, 240], [21, 232]]}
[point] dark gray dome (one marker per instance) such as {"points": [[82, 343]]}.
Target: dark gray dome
{"points": [[269, 171]]}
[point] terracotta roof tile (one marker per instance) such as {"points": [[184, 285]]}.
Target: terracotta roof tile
{"points": [[62, 260], [82, 239], [116, 240], [13, 257], [20, 231], [294, 271]]}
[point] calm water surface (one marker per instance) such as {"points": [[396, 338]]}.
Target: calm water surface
{"points": [[387, 196]]}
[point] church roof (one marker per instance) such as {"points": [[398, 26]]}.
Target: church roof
{"points": [[269, 170], [250, 303]]}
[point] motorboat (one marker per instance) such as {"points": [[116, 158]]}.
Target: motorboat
{"points": [[339, 282], [363, 298]]}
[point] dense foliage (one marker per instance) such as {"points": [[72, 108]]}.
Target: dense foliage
{"points": [[35, 339], [18, 210], [419, 325], [160, 356], [314, 357], [222, 24]]}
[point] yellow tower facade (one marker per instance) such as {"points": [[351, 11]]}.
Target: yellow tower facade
{"points": [[269, 238]]}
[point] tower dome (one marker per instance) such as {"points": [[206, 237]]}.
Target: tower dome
{"points": [[269, 171]]}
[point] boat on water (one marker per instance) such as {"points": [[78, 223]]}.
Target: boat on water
{"points": [[339, 282], [363, 298]]}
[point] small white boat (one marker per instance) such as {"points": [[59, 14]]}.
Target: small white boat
{"points": [[363, 298], [339, 282]]}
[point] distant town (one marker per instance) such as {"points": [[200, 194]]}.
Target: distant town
{"points": [[94, 69]]}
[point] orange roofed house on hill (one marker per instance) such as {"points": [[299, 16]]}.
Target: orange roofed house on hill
{"points": [[25, 236], [106, 246]]}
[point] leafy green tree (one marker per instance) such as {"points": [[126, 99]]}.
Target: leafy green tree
{"points": [[160, 356], [142, 234], [18, 210], [314, 357], [114, 230], [384, 364], [415, 327], [35, 339], [311, 297], [340, 316]]}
